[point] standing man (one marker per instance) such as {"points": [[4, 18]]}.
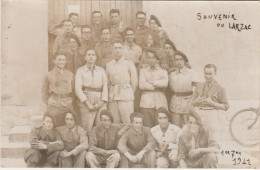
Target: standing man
{"points": [[182, 82], [45, 145], [153, 81], [96, 25], [91, 90], [167, 138], [87, 41], [122, 83], [197, 147], [208, 98], [74, 17], [63, 38], [75, 142], [137, 145], [116, 26], [104, 49], [103, 141], [57, 90], [131, 51]]}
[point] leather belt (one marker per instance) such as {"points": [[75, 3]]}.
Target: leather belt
{"points": [[189, 93], [155, 90], [61, 95], [92, 89]]}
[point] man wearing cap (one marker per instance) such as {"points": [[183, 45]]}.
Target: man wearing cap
{"points": [[75, 142], [103, 141], [122, 83], [96, 25], [210, 97], [116, 26], [142, 31], [104, 49], [57, 90], [182, 82], [91, 90], [153, 81], [167, 138], [45, 144], [63, 39], [197, 147], [137, 145]]}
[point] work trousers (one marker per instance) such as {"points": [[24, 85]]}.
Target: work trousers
{"points": [[40, 158], [121, 110], [58, 113], [76, 161], [96, 160], [179, 119], [150, 117]]}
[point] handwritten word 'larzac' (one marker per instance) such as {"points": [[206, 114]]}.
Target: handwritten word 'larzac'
{"points": [[220, 17]]}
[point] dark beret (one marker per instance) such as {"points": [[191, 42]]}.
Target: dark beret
{"points": [[182, 55], [152, 17], [168, 41]]}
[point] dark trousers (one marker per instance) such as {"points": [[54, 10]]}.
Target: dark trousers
{"points": [[208, 160], [178, 119], [58, 114], [77, 161], [150, 118], [40, 158]]}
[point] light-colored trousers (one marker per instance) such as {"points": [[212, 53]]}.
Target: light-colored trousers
{"points": [[95, 160], [121, 110]]}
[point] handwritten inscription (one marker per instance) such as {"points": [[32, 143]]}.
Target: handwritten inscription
{"points": [[233, 21], [237, 158]]}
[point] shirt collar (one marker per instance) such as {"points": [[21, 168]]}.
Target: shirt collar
{"points": [[56, 69], [103, 130], [138, 133], [73, 129], [129, 46], [183, 70], [118, 61], [88, 69], [44, 133]]}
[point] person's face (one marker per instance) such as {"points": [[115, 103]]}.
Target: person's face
{"points": [[86, 34], [73, 44], [161, 35], [91, 57], [60, 61], [151, 58], [168, 49], [130, 36], [69, 120], [137, 123], [97, 18], [149, 40], [68, 27], [209, 74], [48, 123], [74, 19], [106, 35], [140, 18], [118, 50], [114, 18], [193, 125], [105, 121], [163, 120], [179, 61], [153, 25]]}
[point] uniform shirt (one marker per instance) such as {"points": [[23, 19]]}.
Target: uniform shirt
{"points": [[132, 53], [59, 84], [168, 138], [60, 41], [133, 141], [104, 52], [73, 58], [159, 52], [213, 90], [85, 77], [79, 142], [117, 31], [203, 140], [101, 139], [47, 137], [181, 81], [122, 80], [153, 98]]}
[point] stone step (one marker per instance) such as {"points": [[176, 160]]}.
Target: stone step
{"points": [[13, 150], [13, 163], [20, 134], [36, 121]]}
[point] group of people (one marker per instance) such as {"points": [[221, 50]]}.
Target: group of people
{"points": [[134, 100]]}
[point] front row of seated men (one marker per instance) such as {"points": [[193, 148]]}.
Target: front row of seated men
{"points": [[111, 145]]}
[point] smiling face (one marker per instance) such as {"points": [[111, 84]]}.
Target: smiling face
{"points": [[91, 57], [97, 18], [130, 36], [209, 74], [60, 61], [69, 120], [163, 120], [137, 123], [140, 19]]}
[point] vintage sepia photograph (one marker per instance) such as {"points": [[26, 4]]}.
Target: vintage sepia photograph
{"points": [[130, 84]]}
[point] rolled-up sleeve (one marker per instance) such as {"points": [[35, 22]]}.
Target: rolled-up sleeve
{"points": [[78, 86]]}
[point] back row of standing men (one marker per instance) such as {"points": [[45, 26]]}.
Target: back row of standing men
{"points": [[133, 53]]}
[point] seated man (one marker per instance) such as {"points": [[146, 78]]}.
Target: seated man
{"points": [[45, 145], [167, 138], [197, 147], [103, 142], [75, 142], [137, 145]]}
